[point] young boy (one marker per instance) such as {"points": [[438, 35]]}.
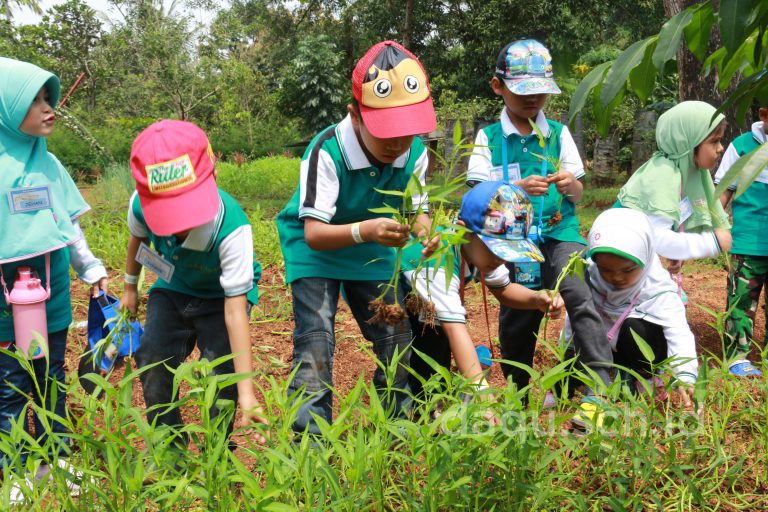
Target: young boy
{"points": [[750, 250], [204, 263], [509, 150], [330, 237], [498, 217]]}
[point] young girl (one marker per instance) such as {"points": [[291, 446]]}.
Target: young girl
{"points": [[674, 188], [42, 233], [633, 292]]}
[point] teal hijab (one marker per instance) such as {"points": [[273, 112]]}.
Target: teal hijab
{"points": [[25, 162], [658, 187]]}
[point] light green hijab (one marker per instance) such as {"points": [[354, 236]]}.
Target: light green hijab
{"points": [[658, 187], [25, 162]]}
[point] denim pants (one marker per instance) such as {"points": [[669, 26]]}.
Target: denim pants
{"points": [[48, 374], [315, 301], [175, 323], [518, 328]]}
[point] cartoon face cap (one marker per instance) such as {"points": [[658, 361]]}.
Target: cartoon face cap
{"points": [[501, 215], [173, 165], [526, 68], [391, 88]]}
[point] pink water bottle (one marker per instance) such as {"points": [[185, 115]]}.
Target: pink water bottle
{"points": [[27, 299]]}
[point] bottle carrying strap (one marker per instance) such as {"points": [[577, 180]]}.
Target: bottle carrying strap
{"points": [[542, 171], [47, 279], [617, 325]]}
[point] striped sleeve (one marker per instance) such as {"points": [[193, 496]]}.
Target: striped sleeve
{"points": [[318, 182]]}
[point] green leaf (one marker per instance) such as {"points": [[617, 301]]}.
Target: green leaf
{"points": [[753, 164], [670, 36], [642, 78], [457, 133], [539, 134], [603, 114], [396, 193], [753, 86], [697, 32], [643, 346], [585, 88], [617, 76], [733, 22], [384, 209]]}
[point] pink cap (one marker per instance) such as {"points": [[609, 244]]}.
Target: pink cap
{"points": [[391, 88], [173, 165]]}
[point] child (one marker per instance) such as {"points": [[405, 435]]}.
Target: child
{"points": [[206, 271], [749, 267], [674, 188], [498, 217], [633, 292], [510, 150], [330, 237], [45, 235]]}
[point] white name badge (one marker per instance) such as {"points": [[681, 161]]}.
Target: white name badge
{"points": [[154, 262], [513, 171], [686, 209], [29, 199]]}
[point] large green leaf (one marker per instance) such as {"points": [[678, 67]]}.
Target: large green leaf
{"points": [[670, 36], [744, 170], [585, 88], [617, 76], [603, 114], [738, 61], [752, 86], [733, 22], [642, 79], [697, 32]]}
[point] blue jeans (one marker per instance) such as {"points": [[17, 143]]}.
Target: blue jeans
{"points": [[13, 404], [175, 323], [315, 301]]}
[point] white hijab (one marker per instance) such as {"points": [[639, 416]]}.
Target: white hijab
{"points": [[626, 232]]}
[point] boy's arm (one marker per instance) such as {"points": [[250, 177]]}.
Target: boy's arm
{"points": [[322, 236], [463, 350], [729, 158], [569, 178], [130, 298], [726, 197]]}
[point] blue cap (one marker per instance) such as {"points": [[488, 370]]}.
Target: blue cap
{"points": [[501, 215]]}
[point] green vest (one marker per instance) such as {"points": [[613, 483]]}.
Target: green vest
{"points": [[58, 308], [197, 273], [750, 212], [357, 195], [523, 150]]}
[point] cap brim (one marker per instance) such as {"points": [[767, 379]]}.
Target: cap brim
{"points": [[517, 251], [170, 215], [386, 123], [526, 86]]}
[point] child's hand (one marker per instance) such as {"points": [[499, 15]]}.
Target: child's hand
{"points": [[563, 181], [546, 304], [534, 185], [129, 300], [430, 246], [252, 413], [101, 285], [386, 232], [674, 266], [724, 239], [685, 392]]}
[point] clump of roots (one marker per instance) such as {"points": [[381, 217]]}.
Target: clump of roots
{"points": [[421, 307], [385, 313], [555, 219]]}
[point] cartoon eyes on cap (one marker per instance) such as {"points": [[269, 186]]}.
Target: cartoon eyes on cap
{"points": [[382, 88], [411, 84]]}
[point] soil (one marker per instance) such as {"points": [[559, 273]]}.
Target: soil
{"points": [[272, 327]]}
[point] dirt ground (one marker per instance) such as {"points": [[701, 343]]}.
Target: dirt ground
{"points": [[272, 346]]}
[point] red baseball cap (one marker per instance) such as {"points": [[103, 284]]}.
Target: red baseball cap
{"points": [[173, 165], [391, 88]]}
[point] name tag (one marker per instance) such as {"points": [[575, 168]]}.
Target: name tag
{"points": [[513, 172], [686, 209], [154, 262], [29, 199], [528, 274]]}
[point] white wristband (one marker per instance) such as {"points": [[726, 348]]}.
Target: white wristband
{"points": [[356, 233], [129, 279]]}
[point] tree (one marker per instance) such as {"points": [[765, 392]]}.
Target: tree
{"points": [[7, 10]]}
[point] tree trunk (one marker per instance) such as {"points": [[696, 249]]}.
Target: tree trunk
{"points": [[408, 29], [604, 161], [577, 133], [643, 140]]}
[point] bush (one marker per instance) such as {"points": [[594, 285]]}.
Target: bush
{"points": [[271, 178]]}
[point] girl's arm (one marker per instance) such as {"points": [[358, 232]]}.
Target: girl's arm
{"points": [[463, 351], [685, 246], [519, 297], [88, 267]]}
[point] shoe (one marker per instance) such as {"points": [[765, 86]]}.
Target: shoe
{"points": [[656, 384], [744, 368], [20, 488], [590, 415]]}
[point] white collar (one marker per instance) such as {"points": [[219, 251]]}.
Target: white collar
{"points": [[202, 238], [354, 156], [758, 132], [508, 127]]}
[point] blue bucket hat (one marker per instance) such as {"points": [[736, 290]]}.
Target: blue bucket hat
{"points": [[526, 68], [501, 215]]}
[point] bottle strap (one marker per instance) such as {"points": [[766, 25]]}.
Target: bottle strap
{"points": [[617, 325], [487, 317]]}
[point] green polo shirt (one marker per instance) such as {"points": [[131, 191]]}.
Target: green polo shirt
{"points": [[198, 271], [338, 185]]}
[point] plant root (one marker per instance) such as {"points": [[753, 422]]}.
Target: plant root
{"points": [[387, 313]]}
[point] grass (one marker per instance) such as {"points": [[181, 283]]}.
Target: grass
{"points": [[649, 458]]}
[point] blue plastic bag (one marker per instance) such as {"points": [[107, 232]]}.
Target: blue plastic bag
{"points": [[126, 340]]}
